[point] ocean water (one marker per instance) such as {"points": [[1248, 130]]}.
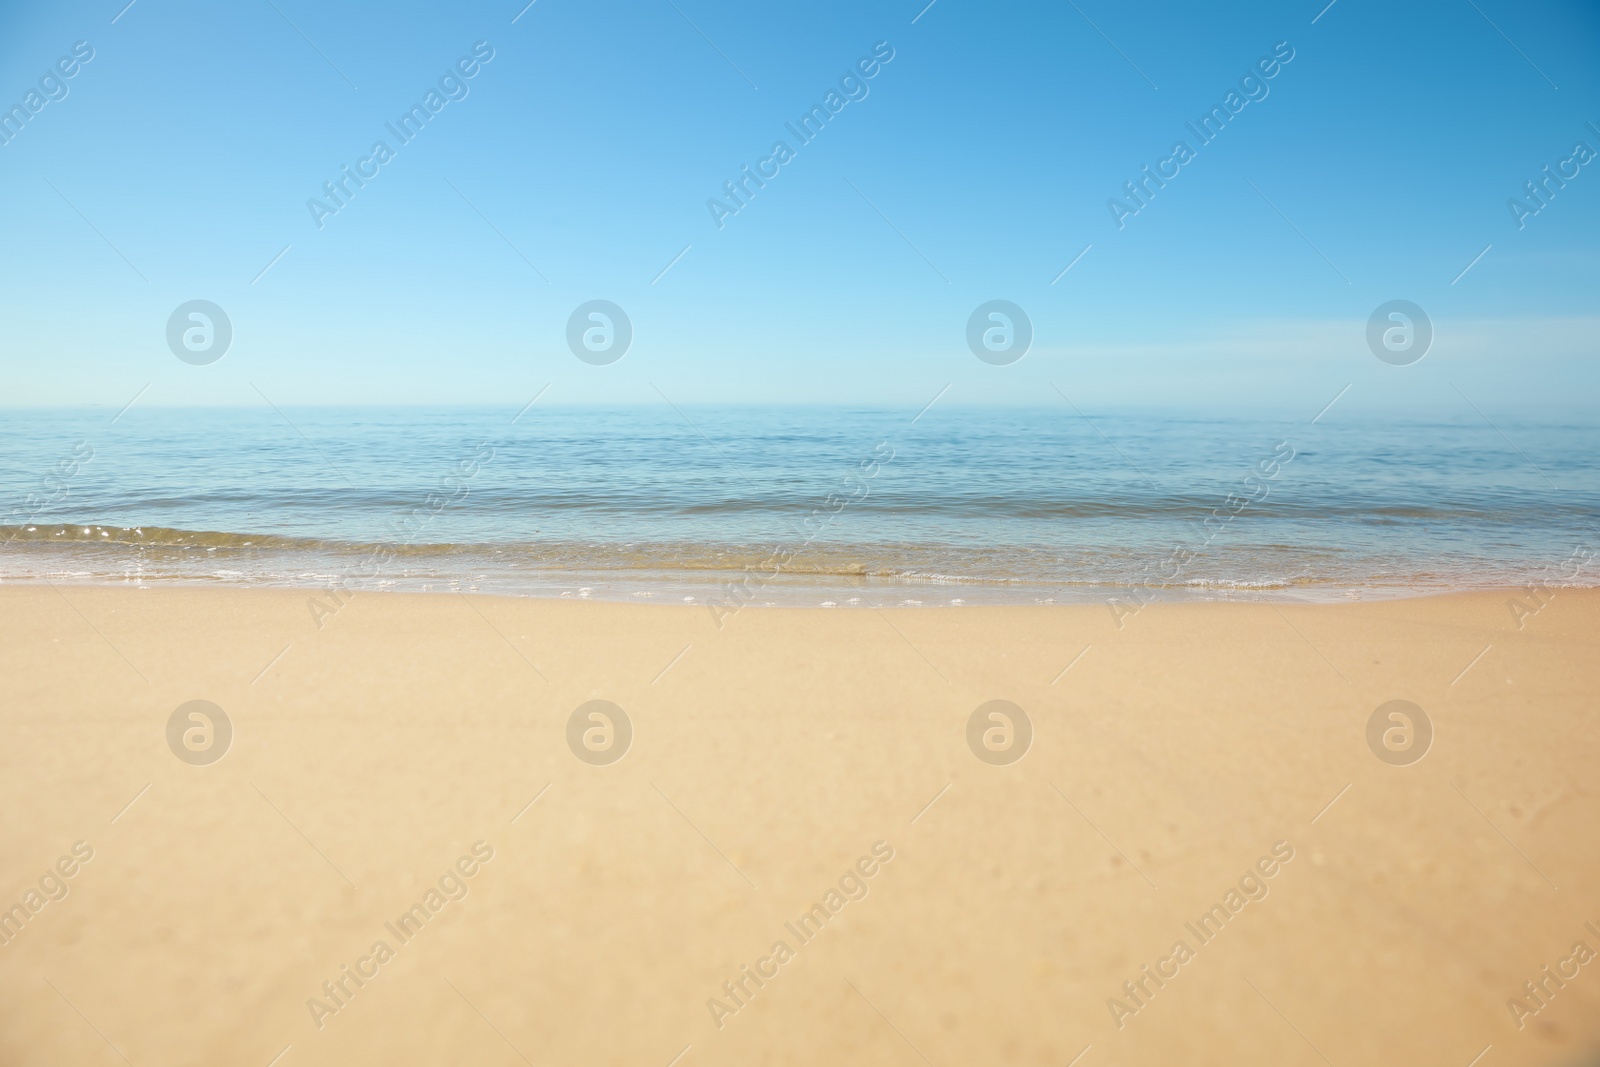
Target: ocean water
{"points": [[797, 506]]}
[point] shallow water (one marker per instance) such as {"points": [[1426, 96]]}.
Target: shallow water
{"points": [[797, 506]]}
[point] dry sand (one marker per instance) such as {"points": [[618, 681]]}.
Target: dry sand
{"points": [[767, 760]]}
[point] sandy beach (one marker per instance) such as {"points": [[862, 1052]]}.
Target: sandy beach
{"points": [[828, 535], [794, 763]]}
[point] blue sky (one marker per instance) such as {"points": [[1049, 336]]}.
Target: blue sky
{"points": [[978, 166]]}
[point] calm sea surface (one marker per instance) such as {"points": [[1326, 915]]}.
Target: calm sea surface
{"points": [[797, 506]]}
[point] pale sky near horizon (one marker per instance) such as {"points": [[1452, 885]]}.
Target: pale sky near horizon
{"points": [[975, 164]]}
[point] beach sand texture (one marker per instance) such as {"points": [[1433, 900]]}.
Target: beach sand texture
{"points": [[773, 762]]}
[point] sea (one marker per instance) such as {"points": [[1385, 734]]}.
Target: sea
{"points": [[845, 507]]}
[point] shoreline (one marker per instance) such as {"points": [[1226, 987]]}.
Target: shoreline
{"points": [[736, 572], [706, 589]]}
